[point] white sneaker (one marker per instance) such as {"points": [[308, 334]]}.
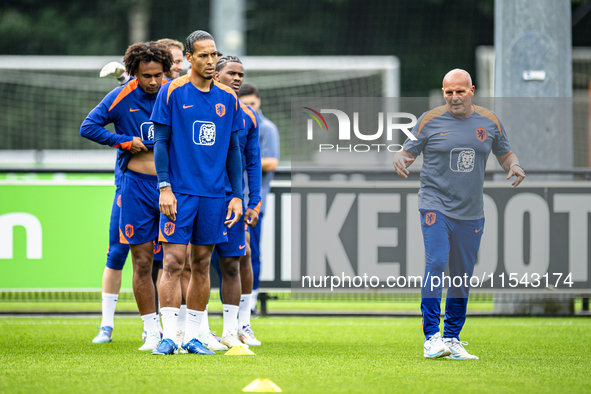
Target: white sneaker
{"points": [[152, 341], [246, 335], [210, 342], [457, 349], [435, 348], [231, 340]]}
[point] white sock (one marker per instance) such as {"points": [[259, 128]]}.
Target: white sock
{"points": [[244, 311], [193, 323], [253, 300], [230, 319], [151, 322], [160, 329], [169, 322], [109, 304], [204, 327], [182, 320]]}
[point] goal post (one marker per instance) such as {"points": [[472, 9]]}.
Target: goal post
{"points": [[46, 98]]}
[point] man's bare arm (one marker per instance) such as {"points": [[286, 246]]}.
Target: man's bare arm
{"points": [[510, 163], [402, 160], [269, 164]]}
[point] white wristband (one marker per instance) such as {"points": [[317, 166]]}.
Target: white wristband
{"points": [[516, 164]]}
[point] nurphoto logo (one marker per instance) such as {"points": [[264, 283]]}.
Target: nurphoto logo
{"points": [[390, 119]]}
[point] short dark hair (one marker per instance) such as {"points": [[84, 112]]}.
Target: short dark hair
{"points": [[223, 62], [147, 52], [197, 35], [248, 89]]}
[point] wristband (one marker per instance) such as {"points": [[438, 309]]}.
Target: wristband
{"points": [[164, 184], [518, 165]]}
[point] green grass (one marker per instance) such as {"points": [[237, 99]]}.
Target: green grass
{"points": [[301, 355], [284, 303], [273, 306], [281, 305]]}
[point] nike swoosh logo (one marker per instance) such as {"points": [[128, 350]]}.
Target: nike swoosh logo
{"points": [[225, 233], [444, 134], [477, 231], [186, 106], [242, 247], [226, 310], [133, 110]]}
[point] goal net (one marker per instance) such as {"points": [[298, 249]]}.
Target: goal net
{"points": [[46, 98]]}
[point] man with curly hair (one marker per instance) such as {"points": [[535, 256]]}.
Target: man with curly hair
{"points": [[129, 108], [117, 252], [117, 70]]}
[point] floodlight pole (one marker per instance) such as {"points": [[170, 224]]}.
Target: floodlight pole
{"points": [[228, 18], [139, 20], [533, 98], [533, 58]]}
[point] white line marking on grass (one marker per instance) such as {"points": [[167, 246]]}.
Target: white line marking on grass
{"points": [[413, 323], [58, 322], [301, 321]]}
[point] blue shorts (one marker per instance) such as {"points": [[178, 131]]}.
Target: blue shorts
{"points": [[199, 220], [235, 246], [117, 253], [140, 212], [158, 253]]}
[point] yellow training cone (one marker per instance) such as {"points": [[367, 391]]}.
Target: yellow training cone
{"points": [[262, 386], [239, 351]]}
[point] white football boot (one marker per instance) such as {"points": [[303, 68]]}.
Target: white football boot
{"points": [[246, 335], [152, 340], [457, 350], [231, 340], [210, 342], [434, 347]]}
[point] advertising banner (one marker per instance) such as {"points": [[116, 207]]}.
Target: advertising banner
{"points": [[315, 235], [368, 235], [55, 234]]}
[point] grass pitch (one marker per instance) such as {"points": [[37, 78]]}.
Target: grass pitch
{"points": [[301, 355]]}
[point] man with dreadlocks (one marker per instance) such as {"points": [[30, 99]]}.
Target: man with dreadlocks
{"points": [[196, 124], [129, 108]]}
